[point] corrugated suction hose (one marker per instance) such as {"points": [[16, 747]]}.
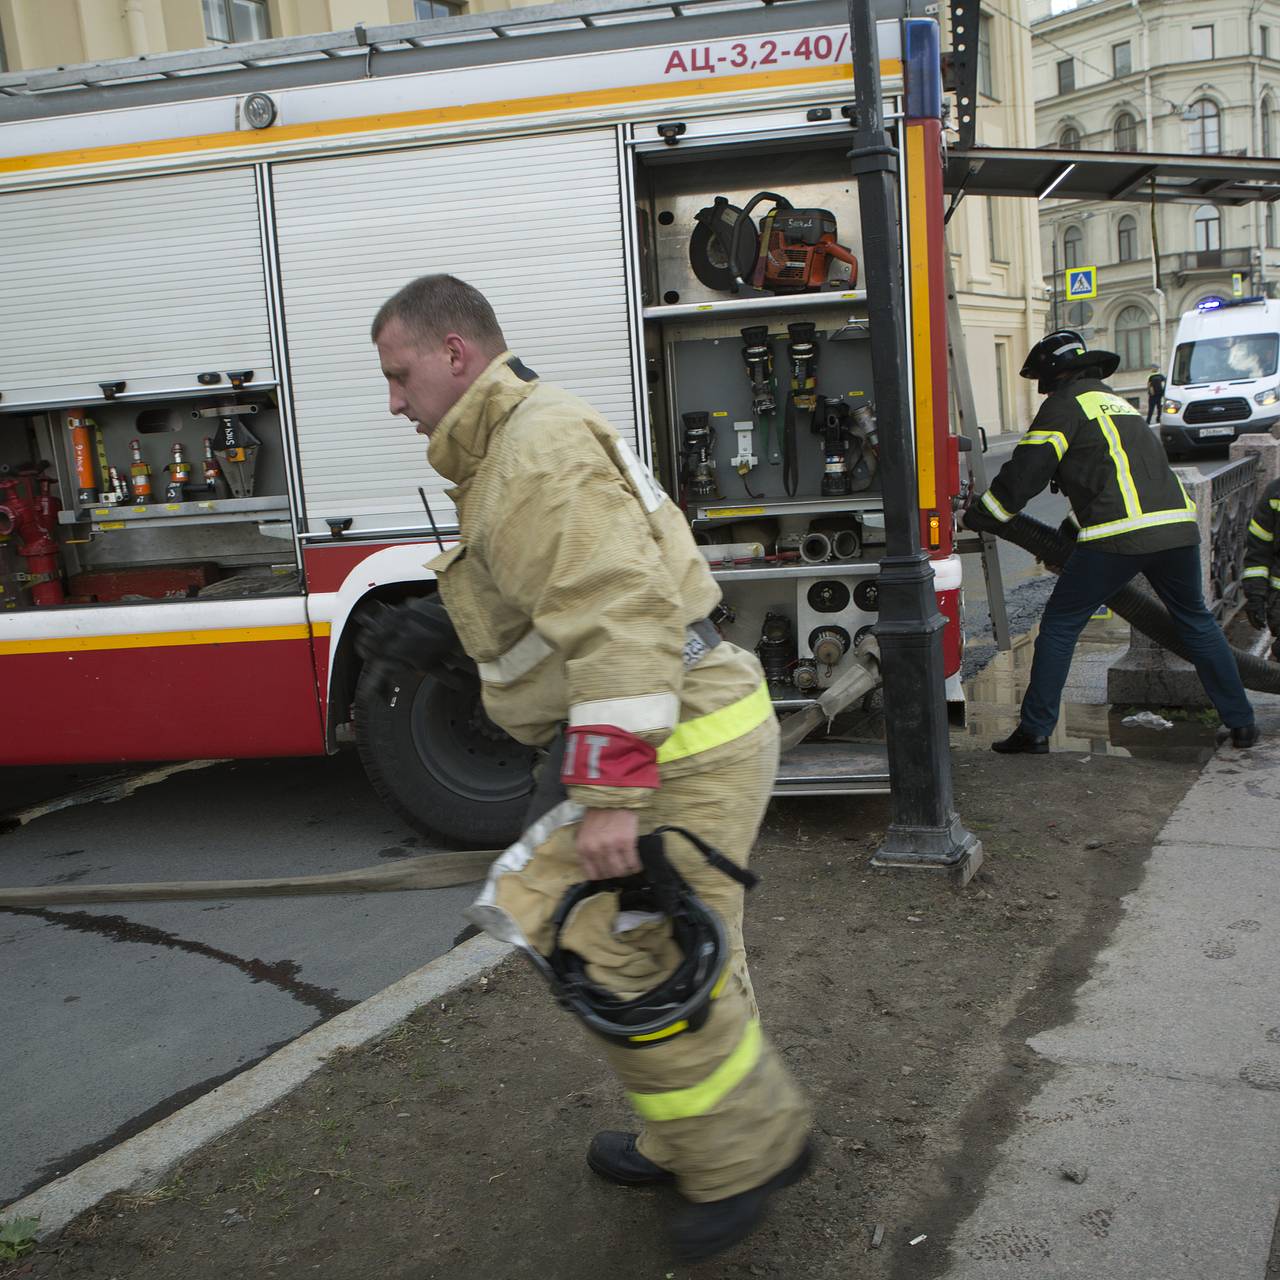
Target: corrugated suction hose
{"points": [[1135, 604]]}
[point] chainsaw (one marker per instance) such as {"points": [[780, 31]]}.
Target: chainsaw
{"points": [[790, 253]]}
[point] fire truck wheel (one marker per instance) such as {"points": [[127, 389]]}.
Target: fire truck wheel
{"points": [[438, 761]]}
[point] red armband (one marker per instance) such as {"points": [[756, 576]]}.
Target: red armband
{"points": [[602, 755]]}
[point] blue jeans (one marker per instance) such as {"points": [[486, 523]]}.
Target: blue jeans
{"points": [[1091, 577]]}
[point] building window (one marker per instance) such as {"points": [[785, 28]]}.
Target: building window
{"points": [[986, 81], [1208, 229], [1202, 44], [1067, 75], [995, 252], [1072, 247], [1204, 137], [1264, 41], [1269, 226], [1069, 139], [1127, 238], [4, 62], [1126, 132], [1121, 59], [234, 21], [1265, 113], [1133, 338], [424, 9]]}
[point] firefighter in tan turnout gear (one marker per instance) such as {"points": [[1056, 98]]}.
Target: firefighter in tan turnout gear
{"points": [[577, 589]]}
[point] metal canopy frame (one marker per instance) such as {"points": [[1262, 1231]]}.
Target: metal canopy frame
{"points": [[1101, 175], [365, 52]]}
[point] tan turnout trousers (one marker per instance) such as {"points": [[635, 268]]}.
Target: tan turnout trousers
{"points": [[718, 1107]]}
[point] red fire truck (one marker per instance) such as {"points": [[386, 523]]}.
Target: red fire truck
{"points": [[201, 489]]}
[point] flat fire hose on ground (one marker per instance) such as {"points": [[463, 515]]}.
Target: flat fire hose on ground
{"points": [[442, 870]]}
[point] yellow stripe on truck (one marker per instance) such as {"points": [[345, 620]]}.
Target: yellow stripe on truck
{"points": [[162, 639], [219, 142]]}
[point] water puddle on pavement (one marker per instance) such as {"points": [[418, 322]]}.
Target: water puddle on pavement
{"points": [[1088, 724]]}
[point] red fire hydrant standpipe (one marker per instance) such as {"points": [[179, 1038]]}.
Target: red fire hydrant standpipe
{"points": [[28, 508]]}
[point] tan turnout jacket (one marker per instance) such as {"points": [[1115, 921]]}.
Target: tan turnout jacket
{"points": [[573, 582]]}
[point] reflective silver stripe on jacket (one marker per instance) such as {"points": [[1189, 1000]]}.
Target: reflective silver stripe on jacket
{"points": [[699, 639]]}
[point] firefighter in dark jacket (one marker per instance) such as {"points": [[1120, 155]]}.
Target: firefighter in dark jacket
{"points": [[1134, 517], [1262, 567]]}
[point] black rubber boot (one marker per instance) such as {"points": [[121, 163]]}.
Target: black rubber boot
{"points": [[1242, 736], [613, 1155], [1022, 740], [702, 1230]]}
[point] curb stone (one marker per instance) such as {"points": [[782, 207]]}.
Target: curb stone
{"points": [[142, 1161]]}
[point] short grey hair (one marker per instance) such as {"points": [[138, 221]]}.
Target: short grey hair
{"points": [[432, 306]]}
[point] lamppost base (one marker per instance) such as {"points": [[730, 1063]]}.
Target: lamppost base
{"points": [[950, 849]]}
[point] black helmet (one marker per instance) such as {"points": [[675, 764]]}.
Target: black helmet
{"points": [[681, 1002], [1064, 351]]}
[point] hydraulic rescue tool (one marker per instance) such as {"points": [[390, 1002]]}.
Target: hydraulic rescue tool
{"points": [[179, 470], [82, 454], [214, 484], [791, 253], [802, 355], [697, 449], [233, 445], [139, 473], [758, 355], [29, 509]]}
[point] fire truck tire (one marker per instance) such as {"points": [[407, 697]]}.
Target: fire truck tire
{"points": [[440, 763]]}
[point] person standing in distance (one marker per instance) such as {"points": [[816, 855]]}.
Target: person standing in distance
{"points": [[1134, 517], [1155, 395], [577, 588]]}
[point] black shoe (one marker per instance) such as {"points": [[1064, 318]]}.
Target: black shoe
{"points": [[613, 1155], [702, 1230], [1242, 736], [1022, 740]]}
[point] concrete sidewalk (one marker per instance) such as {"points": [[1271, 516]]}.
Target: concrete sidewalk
{"points": [[1167, 1093]]}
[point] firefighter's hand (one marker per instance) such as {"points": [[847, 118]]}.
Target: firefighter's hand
{"points": [[607, 844], [1255, 609], [416, 635], [978, 519]]}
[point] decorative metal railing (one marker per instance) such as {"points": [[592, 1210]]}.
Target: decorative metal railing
{"points": [[1234, 492]]}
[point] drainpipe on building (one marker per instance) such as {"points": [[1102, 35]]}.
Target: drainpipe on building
{"points": [[136, 21], [1146, 74], [1255, 148], [1032, 279], [1162, 302]]}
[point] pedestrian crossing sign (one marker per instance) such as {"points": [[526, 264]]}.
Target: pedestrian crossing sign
{"points": [[1082, 282]]}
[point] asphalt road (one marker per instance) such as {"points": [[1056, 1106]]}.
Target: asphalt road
{"points": [[115, 1016]]}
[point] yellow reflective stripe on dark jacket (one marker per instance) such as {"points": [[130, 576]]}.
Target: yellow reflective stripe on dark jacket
{"points": [[1108, 462], [1262, 547]]}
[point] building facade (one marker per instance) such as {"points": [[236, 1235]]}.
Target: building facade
{"points": [[994, 243], [1167, 76], [995, 251]]}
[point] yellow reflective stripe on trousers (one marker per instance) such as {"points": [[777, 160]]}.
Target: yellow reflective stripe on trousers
{"points": [[1255, 571], [698, 1099], [1259, 532], [1095, 406], [717, 727], [1055, 438]]}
